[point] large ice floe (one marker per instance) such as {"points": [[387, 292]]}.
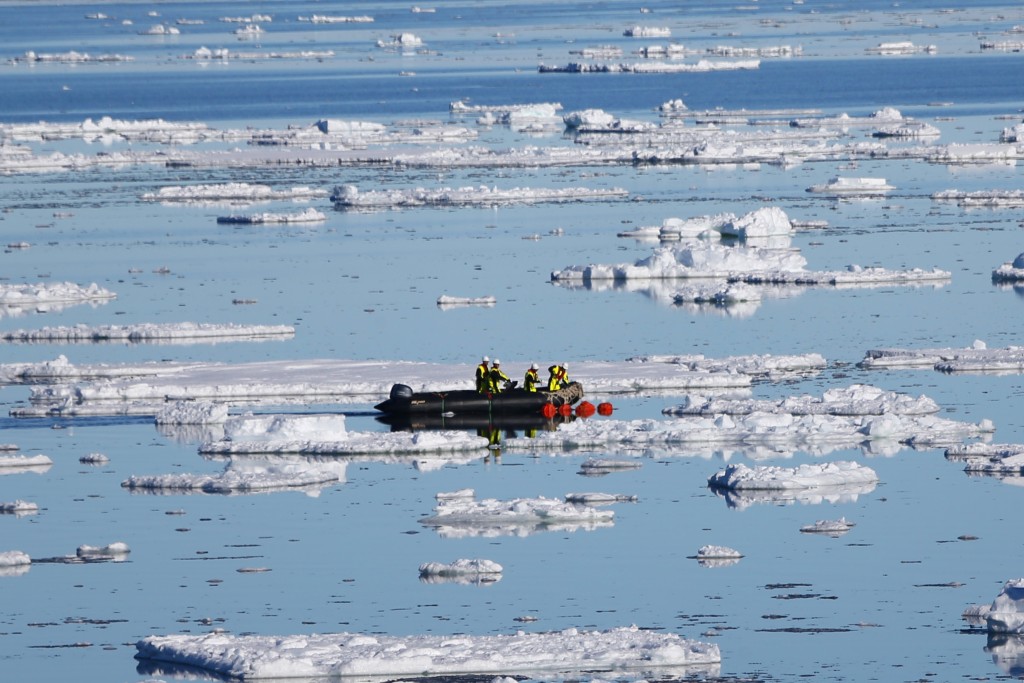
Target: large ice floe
{"points": [[42, 294], [14, 563], [833, 482], [327, 435], [1005, 461], [365, 655], [248, 475], [741, 263], [976, 358], [476, 571], [1005, 615], [230, 193], [1011, 271], [145, 388], [757, 434], [460, 514], [150, 333], [857, 399], [307, 216], [350, 197], [982, 198], [701, 66], [852, 187]]}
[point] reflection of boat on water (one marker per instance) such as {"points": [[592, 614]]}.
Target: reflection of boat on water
{"points": [[406, 422], [403, 400]]}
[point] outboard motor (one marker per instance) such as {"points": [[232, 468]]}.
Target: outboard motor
{"points": [[401, 391]]}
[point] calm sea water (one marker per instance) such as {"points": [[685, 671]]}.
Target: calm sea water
{"points": [[882, 602]]}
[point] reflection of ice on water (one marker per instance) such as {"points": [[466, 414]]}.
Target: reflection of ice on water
{"points": [[1007, 653]]}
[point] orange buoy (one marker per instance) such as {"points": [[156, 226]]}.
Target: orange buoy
{"points": [[548, 410], [585, 409], [604, 408], [565, 410]]}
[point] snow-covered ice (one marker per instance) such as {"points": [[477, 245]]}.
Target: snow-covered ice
{"points": [[307, 216], [115, 551], [19, 508], [469, 571], [829, 527], [740, 477], [364, 655], [856, 399], [1005, 615], [459, 513], [43, 293], [975, 358], [852, 187], [248, 475], [162, 333], [351, 197]]}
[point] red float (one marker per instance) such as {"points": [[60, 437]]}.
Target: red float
{"points": [[548, 410], [585, 409], [565, 410], [604, 408]]}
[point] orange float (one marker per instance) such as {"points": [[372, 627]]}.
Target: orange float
{"points": [[604, 408]]}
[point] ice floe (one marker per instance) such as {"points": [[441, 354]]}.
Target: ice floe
{"points": [[146, 388], [745, 263], [310, 215], [94, 459], [702, 65], [599, 498], [248, 475], [886, 115], [113, 551], [717, 552], [647, 32], [149, 333], [475, 571], [365, 655], [982, 198], [69, 57], [857, 399], [350, 197], [1011, 271], [1005, 615], [976, 358], [327, 435], [740, 477], [829, 527], [811, 484], [446, 301], [458, 513], [774, 432], [192, 413], [230, 192], [41, 294], [401, 41], [601, 466], [901, 47], [23, 462], [337, 19], [19, 508], [852, 187], [14, 558]]}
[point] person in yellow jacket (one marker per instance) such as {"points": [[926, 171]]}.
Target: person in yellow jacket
{"points": [[559, 376], [497, 377], [483, 376], [530, 380]]}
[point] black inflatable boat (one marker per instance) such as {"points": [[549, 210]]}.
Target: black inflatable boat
{"points": [[404, 400]]}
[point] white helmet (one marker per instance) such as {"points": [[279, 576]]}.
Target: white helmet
{"points": [[534, 366], [485, 359], [565, 366], [496, 362]]}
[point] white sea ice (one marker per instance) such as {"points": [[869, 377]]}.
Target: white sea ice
{"points": [[192, 413], [94, 459], [327, 435], [350, 197], [115, 551], [19, 508], [852, 187], [829, 527], [365, 655], [164, 333], [401, 41], [309, 215], [1006, 613], [235, 192], [856, 399], [717, 552], [600, 466], [43, 293], [901, 47], [647, 32], [16, 462], [475, 570], [976, 358], [908, 129], [461, 514], [982, 198], [599, 498], [248, 475], [884, 115], [1011, 271], [701, 66], [446, 301], [740, 477], [14, 558]]}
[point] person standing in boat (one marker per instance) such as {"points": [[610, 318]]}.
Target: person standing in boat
{"points": [[497, 377], [483, 376], [530, 380], [558, 376]]}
